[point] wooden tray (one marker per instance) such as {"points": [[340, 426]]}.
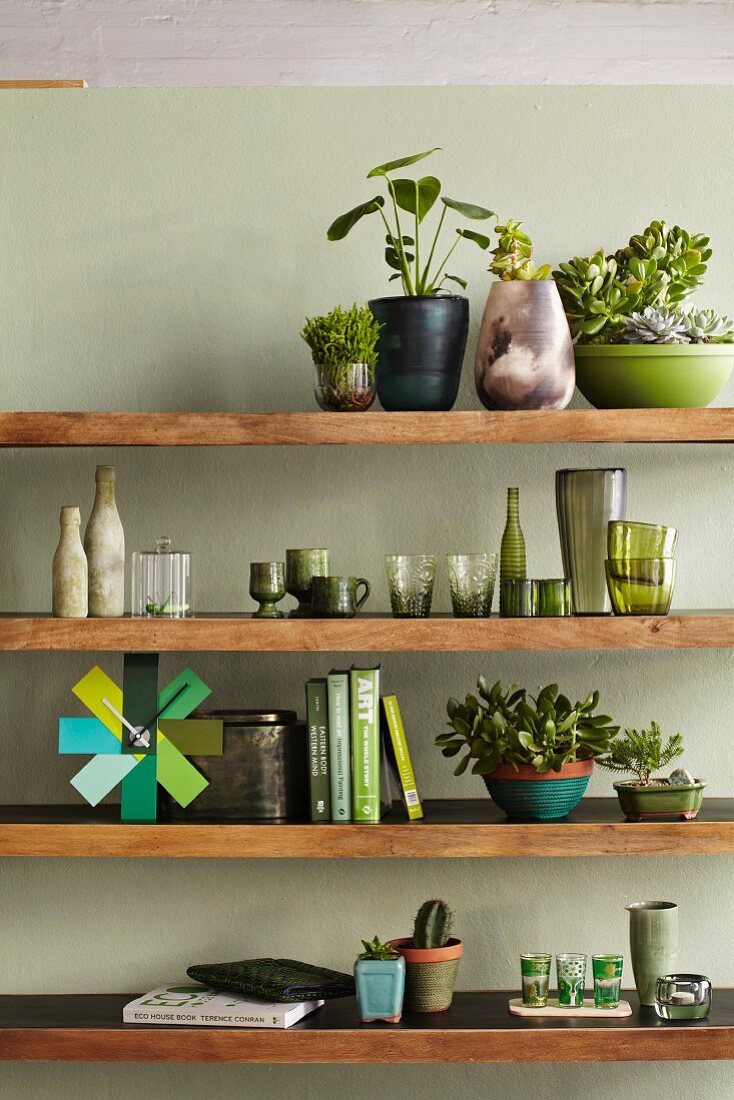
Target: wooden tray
{"points": [[517, 1008]]}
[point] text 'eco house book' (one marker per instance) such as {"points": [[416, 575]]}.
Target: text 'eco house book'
{"points": [[197, 1006], [364, 688]]}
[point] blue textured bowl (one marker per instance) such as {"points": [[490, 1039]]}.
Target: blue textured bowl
{"points": [[539, 798]]}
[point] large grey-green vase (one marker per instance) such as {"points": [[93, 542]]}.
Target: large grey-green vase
{"points": [[586, 500], [653, 944]]}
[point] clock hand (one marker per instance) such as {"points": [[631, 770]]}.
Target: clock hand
{"points": [[165, 707], [139, 738]]}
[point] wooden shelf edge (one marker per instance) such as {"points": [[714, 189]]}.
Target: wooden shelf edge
{"points": [[706, 629], [470, 838], [164, 429]]}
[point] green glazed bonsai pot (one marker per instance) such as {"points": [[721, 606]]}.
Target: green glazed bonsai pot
{"points": [[639, 803], [652, 376]]}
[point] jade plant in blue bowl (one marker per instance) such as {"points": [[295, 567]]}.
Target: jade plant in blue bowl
{"points": [[379, 974], [535, 754]]}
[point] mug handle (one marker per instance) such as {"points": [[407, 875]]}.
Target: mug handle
{"points": [[367, 590]]}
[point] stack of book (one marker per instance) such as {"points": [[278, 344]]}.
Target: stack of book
{"points": [[356, 739]]}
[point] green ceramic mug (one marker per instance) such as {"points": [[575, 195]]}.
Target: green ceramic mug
{"points": [[336, 597], [301, 566]]}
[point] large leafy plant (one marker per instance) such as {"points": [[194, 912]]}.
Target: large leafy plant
{"points": [[404, 254], [510, 727], [642, 752], [606, 296]]}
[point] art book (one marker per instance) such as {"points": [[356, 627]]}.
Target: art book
{"points": [[197, 1006]]}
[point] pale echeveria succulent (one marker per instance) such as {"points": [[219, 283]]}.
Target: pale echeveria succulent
{"points": [[655, 326], [706, 326]]}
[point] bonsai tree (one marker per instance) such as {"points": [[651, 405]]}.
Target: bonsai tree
{"points": [[642, 752], [513, 256], [376, 949], [509, 727], [337, 340], [434, 922], [420, 276], [634, 295]]}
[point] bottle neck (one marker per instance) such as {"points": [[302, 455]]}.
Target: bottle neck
{"points": [[105, 494], [513, 503]]}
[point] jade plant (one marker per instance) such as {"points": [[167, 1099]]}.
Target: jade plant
{"points": [[433, 924], [337, 341], [643, 752], [376, 949], [634, 295], [411, 260], [513, 256], [511, 727]]}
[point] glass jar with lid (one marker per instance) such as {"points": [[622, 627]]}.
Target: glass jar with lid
{"points": [[161, 582]]}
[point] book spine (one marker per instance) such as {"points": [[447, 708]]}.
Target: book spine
{"points": [[340, 761], [318, 750], [365, 700], [193, 1019], [403, 763]]}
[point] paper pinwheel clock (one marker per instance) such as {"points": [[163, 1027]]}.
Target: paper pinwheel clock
{"points": [[139, 737]]}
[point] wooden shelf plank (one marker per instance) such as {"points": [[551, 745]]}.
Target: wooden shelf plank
{"points": [[452, 829], [161, 429], [709, 629], [477, 1028]]}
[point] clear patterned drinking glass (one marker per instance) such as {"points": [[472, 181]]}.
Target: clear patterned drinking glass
{"points": [[607, 980], [471, 578], [535, 970], [571, 979], [410, 579]]}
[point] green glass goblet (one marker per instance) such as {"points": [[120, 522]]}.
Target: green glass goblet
{"points": [[267, 587]]}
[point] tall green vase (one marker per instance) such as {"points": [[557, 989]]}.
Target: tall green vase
{"points": [[513, 563], [653, 944]]}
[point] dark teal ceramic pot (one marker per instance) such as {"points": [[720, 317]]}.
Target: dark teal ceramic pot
{"points": [[420, 351]]}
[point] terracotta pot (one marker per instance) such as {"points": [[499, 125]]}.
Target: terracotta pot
{"points": [[524, 355], [430, 974]]}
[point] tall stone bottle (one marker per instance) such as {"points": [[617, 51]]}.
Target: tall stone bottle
{"points": [[513, 563], [69, 571], [104, 543]]}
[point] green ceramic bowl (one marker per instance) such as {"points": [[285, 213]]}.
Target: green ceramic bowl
{"points": [[638, 803], [652, 376], [640, 586], [640, 540]]}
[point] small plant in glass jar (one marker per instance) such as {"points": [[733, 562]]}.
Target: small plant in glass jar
{"points": [[343, 348]]}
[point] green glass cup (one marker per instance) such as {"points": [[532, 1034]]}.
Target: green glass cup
{"points": [[535, 971], [336, 597], [571, 970], [640, 540], [471, 580], [607, 971], [301, 566], [267, 587], [410, 579], [554, 598], [519, 599], [641, 586]]}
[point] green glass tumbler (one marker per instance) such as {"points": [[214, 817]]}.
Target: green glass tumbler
{"points": [[571, 970], [535, 970], [301, 566], [607, 971], [519, 599], [410, 579], [640, 540], [471, 579], [554, 597], [641, 586]]}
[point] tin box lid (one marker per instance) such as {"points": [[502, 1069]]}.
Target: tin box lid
{"points": [[251, 717]]}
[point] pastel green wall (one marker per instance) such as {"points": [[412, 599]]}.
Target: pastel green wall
{"points": [[159, 251]]}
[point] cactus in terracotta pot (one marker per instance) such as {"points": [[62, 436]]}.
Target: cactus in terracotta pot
{"points": [[432, 956]]}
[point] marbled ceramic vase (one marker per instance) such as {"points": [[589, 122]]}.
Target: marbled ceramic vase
{"points": [[524, 355]]}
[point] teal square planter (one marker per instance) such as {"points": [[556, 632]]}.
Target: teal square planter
{"points": [[380, 989]]}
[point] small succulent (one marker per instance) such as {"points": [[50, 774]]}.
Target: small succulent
{"points": [[680, 257], [642, 752], [376, 949], [433, 924], [656, 326], [706, 326], [342, 336], [513, 256]]}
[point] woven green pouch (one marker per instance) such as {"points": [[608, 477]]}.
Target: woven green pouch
{"points": [[281, 980]]}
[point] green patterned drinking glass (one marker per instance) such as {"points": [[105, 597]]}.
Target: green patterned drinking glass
{"points": [[535, 969], [410, 580], [471, 578], [554, 597], [519, 599], [607, 980], [571, 970]]}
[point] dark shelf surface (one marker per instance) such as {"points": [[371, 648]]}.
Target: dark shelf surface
{"points": [[478, 1027], [452, 828]]}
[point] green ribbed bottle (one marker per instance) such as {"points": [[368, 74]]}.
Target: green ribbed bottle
{"points": [[513, 563]]}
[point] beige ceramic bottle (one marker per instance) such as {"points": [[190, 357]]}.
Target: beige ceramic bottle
{"points": [[69, 573], [104, 542]]}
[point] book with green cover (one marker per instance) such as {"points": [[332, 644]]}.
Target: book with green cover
{"points": [[340, 756], [364, 690], [318, 750], [396, 748]]}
